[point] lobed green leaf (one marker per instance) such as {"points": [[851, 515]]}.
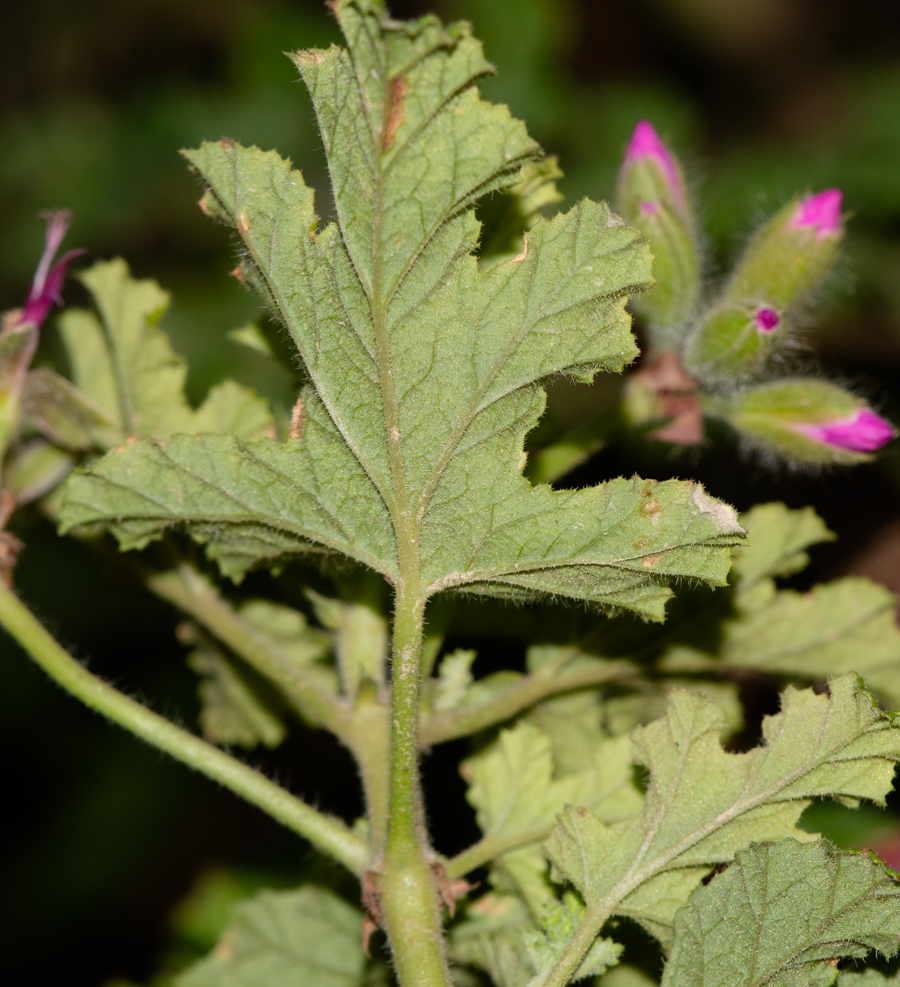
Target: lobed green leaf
{"points": [[781, 915]]}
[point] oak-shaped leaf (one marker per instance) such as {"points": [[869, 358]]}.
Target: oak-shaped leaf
{"points": [[703, 804], [782, 915], [424, 372]]}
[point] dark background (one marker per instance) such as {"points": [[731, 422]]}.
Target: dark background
{"points": [[762, 98]]}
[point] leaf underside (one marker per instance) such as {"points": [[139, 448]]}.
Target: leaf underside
{"points": [[781, 916], [425, 374], [818, 745]]}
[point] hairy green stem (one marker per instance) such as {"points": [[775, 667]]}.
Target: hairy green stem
{"points": [[531, 689], [194, 595], [408, 890], [328, 834]]}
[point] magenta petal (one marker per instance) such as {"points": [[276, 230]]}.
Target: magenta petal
{"points": [[821, 212], [39, 302], [645, 144], [863, 432], [767, 320]]}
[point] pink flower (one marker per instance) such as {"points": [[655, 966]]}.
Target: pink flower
{"points": [[646, 145], [862, 432], [822, 212], [48, 281], [767, 320]]}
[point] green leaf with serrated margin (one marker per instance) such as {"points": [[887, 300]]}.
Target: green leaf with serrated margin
{"points": [[517, 800], [124, 365], [285, 939], [848, 625], [489, 937], [286, 632], [425, 375], [236, 708], [776, 539], [559, 922], [781, 915], [453, 679], [703, 804]]}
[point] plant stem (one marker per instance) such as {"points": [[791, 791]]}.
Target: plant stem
{"points": [[408, 891], [193, 594], [328, 834], [530, 689]]}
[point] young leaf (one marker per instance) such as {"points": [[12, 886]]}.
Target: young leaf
{"points": [[284, 630], [130, 380], [848, 625], [425, 373], [560, 921], [776, 539], [234, 709], [838, 744], [781, 915], [285, 939], [517, 799]]}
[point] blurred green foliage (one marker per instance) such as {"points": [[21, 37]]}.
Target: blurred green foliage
{"points": [[762, 98]]}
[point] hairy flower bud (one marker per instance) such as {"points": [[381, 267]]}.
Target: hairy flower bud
{"points": [[652, 196], [733, 341], [805, 420], [791, 253]]}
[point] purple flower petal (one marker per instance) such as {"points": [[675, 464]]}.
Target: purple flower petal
{"points": [[821, 212], [48, 281], [646, 144], [767, 320], [863, 432]]}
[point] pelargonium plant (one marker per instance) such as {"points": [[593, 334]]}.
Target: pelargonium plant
{"points": [[599, 771]]}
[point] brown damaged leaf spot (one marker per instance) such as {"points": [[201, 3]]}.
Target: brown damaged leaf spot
{"points": [[243, 222], [311, 56], [651, 561], [651, 507], [399, 87], [238, 274], [724, 514], [227, 143], [298, 418], [521, 256]]}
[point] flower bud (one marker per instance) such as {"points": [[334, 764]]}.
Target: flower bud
{"points": [[791, 253], [733, 341], [805, 420], [652, 196]]}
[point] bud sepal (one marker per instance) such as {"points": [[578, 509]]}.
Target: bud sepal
{"points": [[791, 254], [652, 196], [804, 420], [734, 341]]}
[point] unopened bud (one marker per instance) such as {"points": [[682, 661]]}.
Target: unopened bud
{"points": [[733, 341], [805, 420], [652, 196], [791, 253]]}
